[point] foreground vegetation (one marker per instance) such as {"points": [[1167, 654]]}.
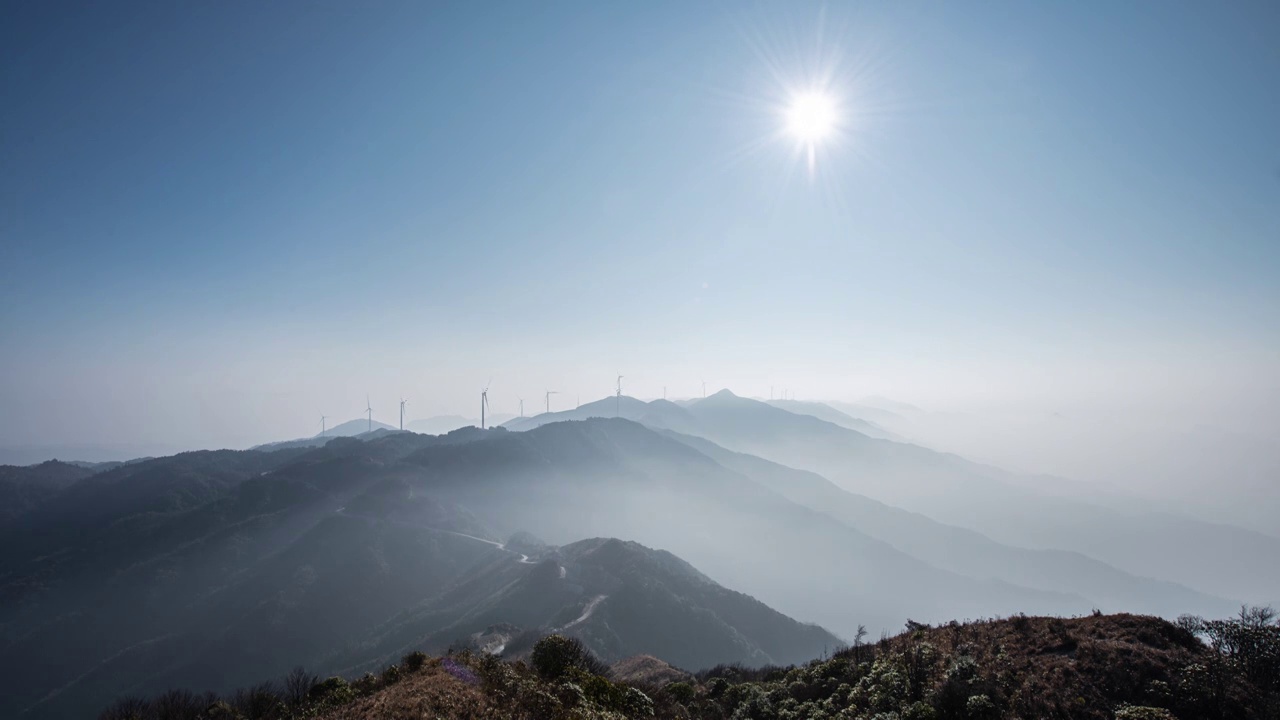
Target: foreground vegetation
{"points": [[1125, 667]]}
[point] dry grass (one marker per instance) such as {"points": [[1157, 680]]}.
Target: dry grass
{"points": [[429, 693], [646, 671], [1056, 667]]}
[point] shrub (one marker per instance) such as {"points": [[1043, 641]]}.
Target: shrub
{"points": [[498, 677], [220, 710], [1140, 712], [365, 685], [571, 694], [634, 703], [332, 691], [391, 675], [555, 655], [258, 702], [540, 703], [919, 711], [414, 661], [980, 707], [717, 687], [681, 692], [604, 693]]}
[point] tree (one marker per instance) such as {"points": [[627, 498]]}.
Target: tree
{"points": [[1257, 616], [554, 655], [297, 684]]}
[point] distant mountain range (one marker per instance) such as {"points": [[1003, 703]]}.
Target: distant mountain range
{"points": [[822, 411], [360, 427], [340, 552], [21, 455], [1020, 511], [23, 488], [236, 565], [352, 428], [442, 424]]}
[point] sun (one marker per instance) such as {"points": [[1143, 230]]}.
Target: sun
{"points": [[811, 117]]}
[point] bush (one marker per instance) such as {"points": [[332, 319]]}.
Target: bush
{"points": [[365, 685], [1138, 712], [498, 677], [681, 692], [220, 710], [919, 711], [391, 675], [259, 702], [980, 707], [717, 687], [333, 691], [414, 661], [635, 704], [555, 655]]}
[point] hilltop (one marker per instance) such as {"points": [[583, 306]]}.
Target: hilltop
{"points": [[1100, 667], [619, 598]]}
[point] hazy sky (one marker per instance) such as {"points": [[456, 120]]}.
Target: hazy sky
{"points": [[218, 220]]}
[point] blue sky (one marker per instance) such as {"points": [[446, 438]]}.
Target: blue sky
{"points": [[219, 220]]}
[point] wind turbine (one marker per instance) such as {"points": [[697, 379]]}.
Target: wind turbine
{"points": [[549, 394], [704, 388], [368, 407], [484, 403], [402, 403], [322, 427], [521, 405], [617, 412]]}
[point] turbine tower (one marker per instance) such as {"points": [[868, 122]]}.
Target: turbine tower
{"points": [[521, 405], [549, 394], [322, 427], [704, 388], [617, 411], [368, 407], [484, 403], [402, 402]]}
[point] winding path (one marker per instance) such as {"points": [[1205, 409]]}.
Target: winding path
{"points": [[586, 613], [523, 558]]}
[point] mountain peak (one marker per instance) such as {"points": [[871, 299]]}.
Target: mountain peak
{"points": [[724, 395]]}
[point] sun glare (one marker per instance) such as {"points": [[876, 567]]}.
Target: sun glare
{"points": [[811, 117]]}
